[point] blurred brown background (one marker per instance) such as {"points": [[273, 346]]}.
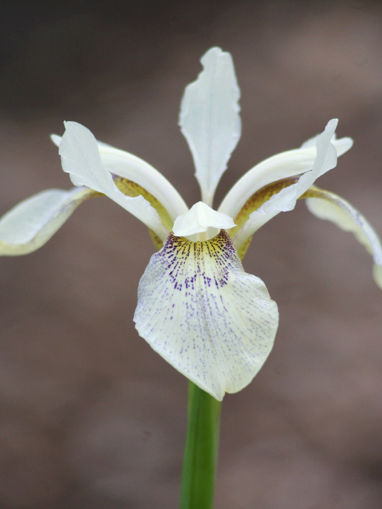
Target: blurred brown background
{"points": [[90, 416]]}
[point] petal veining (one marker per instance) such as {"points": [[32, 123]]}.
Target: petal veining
{"points": [[209, 119], [81, 159], [330, 206], [32, 222], [280, 166], [201, 219], [208, 318], [285, 200]]}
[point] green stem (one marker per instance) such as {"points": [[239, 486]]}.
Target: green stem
{"points": [[200, 456]]}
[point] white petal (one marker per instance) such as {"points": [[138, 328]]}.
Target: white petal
{"points": [[284, 165], [209, 119], [31, 223], [126, 165], [285, 200], [342, 145], [209, 319], [201, 219], [56, 139], [81, 159], [329, 206]]}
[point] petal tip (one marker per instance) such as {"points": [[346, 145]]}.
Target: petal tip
{"points": [[377, 274], [343, 145], [331, 126], [213, 53], [56, 139]]}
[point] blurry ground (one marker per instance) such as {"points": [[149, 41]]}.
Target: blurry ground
{"points": [[90, 417]]}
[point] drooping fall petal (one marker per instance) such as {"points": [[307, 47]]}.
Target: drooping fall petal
{"points": [[208, 318], [32, 222], [330, 206], [209, 119]]}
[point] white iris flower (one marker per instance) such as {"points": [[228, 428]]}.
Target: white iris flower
{"points": [[197, 307]]}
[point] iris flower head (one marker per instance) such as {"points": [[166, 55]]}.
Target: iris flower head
{"points": [[197, 307]]}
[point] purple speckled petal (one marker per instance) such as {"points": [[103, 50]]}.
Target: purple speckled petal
{"points": [[208, 318]]}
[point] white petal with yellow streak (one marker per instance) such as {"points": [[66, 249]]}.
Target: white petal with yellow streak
{"points": [[208, 318], [333, 208], [286, 199], [123, 164], [81, 159], [280, 166]]}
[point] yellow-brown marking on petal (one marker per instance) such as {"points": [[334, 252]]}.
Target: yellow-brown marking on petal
{"points": [[157, 241], [314, 192], [216, 247], [252, 204], [130, 188]]}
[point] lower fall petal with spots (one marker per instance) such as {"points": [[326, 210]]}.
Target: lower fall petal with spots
{"points": [[205, 315]]}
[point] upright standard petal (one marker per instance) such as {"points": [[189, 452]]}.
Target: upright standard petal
{"points": [[209, 119], [330, 206], [81, 159], [208, 318], [31, 223], [285, 200]]}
